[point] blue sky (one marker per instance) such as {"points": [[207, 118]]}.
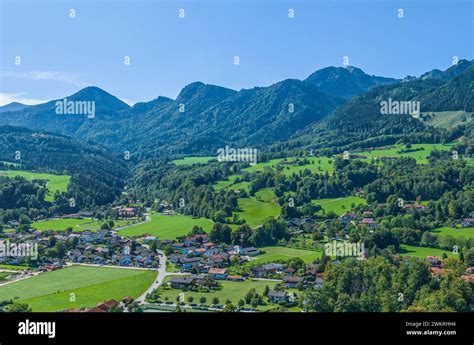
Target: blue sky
{"points": [[60, 55]]}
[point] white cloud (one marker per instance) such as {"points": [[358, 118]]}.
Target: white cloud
{"points": [[69, 78], [6, 98]]}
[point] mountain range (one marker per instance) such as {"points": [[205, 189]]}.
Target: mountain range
{"points": [[205, 117]]}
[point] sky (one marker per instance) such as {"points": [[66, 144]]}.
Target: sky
{"points": [[60, 53]]}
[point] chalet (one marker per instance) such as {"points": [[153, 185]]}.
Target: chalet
{"points": [[470, 270], [189, 263], [289, 271], [467, 222], [434, 261], [127, 212], [277, 296], [218, 273], [235, 278], [268, 269], [107, 305], [292, 282], [179, 282], [249, 251]]}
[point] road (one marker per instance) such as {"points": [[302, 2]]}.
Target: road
{"points": [[159, 278]]}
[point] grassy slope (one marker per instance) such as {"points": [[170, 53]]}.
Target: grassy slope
{"points": [[455, 232], [55, 182], [447, 119], [91, 285], [255, 212], [420, 156], [167, 227], [75, 224], [421, 252], [339, 205], [192, 160], [285, 253]]}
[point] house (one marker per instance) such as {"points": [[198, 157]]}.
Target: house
{"points": [[262, 271], [292, 282], [189, 263], [218, 273], [107, 305], [179, 282], [289, 271], [127, 212], [235, 278], [467, 222], [434, 261], [470, 270], [277, 296], [249, 251]]}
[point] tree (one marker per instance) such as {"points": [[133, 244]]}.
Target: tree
{"points": [[215, 300], [190, 299], [241, 303], [202, 300]]}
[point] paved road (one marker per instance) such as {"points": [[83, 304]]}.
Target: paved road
{"points": [[159, 278]]}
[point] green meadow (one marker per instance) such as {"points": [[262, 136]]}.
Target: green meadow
{"points": [[275, 253], [420, 156], [193, 160], [52, 291], [77, 224], [55, 182], [255, 212], [455, 232], [421, 252], [339, 205], [167, 227], [316, 165], [233, 291]]}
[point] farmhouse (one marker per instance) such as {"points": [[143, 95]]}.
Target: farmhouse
{"points": [[292, 282], [277, 296]]}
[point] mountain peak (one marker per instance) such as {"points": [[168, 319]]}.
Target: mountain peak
{"points": [[100, 96], [345, 82]]}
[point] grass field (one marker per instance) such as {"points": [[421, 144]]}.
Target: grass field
{"points": [[317, 164], [255, 212], [3, 275], [224, 183], [91, 285], [421, 252], [233, 291], [55, 182], [13, 267], [266, 195], [79, 224], [420, 156], [447, 119], [339, 205], [192, 160], [284, 253], [455, 232], [167, 227]]}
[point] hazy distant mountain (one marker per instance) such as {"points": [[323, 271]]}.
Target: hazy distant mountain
{"points": [[346, 82], [450, 73], [44, 116], [14, 106]]}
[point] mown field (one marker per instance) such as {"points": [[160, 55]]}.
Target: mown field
{"points": [[167, 227], [13, 267], [421, 252], [193, 160], [233, 291], [284, 253], [455, 232], [255, 212], [55, 182], [90, 285], [338, 205], [79, 224]]}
